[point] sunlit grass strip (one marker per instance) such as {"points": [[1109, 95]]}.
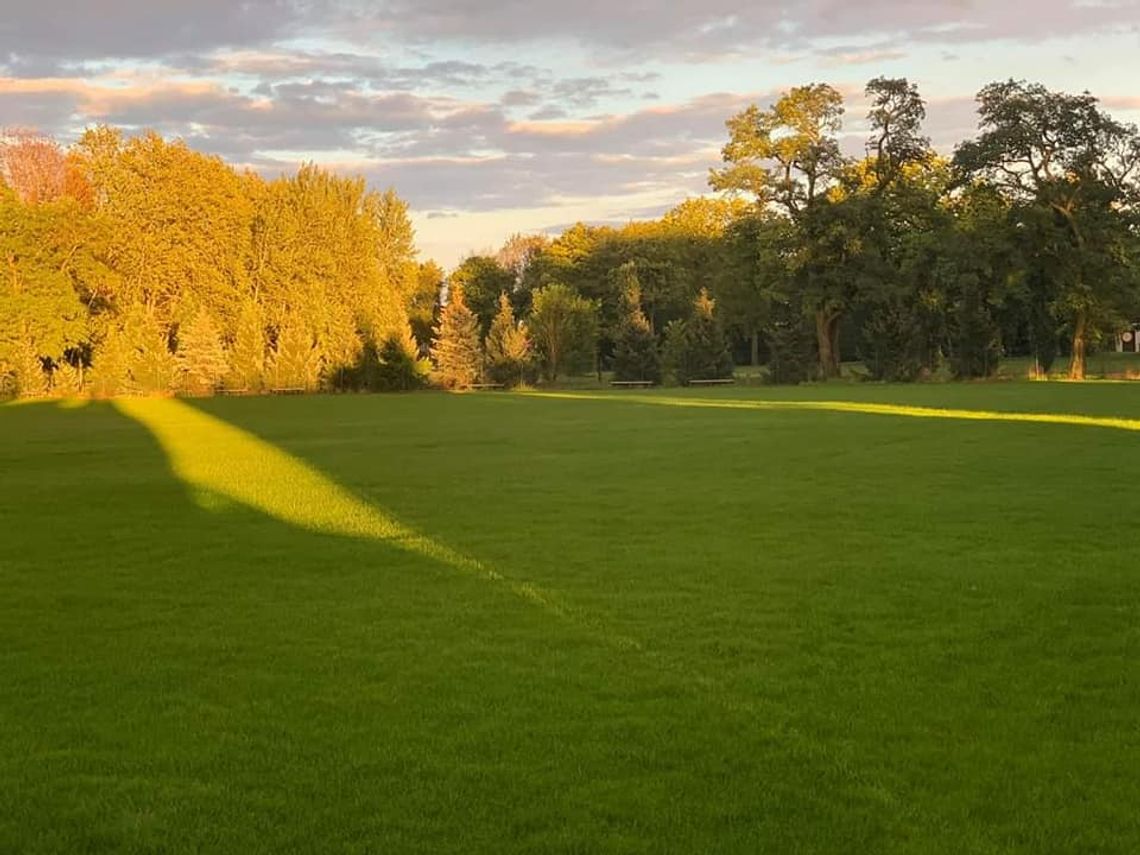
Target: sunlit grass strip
{"points": [[857, 407], [226, 462]]}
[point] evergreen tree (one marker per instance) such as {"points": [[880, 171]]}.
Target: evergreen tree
{"points": [[133, 357], [457, 352], [790, 340], [507, 346], [247, 356], [635, 345], [894, 346], [699, 349], [29, 380], [673, 350], [67, 379], [296, 359], [399, 367], [202, 360], [110, 372]]}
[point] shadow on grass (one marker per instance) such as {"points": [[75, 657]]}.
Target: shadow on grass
{"points": [[207, 643], [211, 639]]}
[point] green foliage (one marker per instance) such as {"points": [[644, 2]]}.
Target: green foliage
{"points": [[247, 355], [791, 342], [111, 364], [399, 368], [295, 362], [976, 337], [564, 328], [1030, 236], [1068, 170], [507, 347], [133, 357], [202, 359], [41, 315], [67, 380], [153, 369], [424, 303], [895, 346], [635, 345], [482, 279], [697, 348], [178, 221], [458, 350]]}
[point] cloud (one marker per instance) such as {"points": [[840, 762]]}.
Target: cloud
{"points": [[475, 107], [833, 57], [143, 28], [74, 31], [714, 27]]}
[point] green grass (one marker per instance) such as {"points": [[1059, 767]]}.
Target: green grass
{"points": [[508, 623]]}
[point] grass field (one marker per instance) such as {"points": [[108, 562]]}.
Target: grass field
{"points": [[660, 622]]}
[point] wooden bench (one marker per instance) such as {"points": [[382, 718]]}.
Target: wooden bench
{"points": [[287, 390], [725, 381], [236, 391], [486, 386], [633, 384]]}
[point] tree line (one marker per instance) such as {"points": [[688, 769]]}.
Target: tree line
{"points": [[137, 265], [1025, 241]]}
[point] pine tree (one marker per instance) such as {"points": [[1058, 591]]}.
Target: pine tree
{"points": [[67, 379], [635, 346], [202, 360], [29, 378], [399, 365], [507, 346], [111, 364], [151, 367], [247, 357], [457, 352], [699, 348], [296, 360]]}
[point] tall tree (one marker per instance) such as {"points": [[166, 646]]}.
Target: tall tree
{"points": [[247, 355], [202, 359], [41, 315], [788, 158], [296, 359], [1064, 162], [635, 345], [482, 280], [424, 302], [699, 350], [178, 220], [564, 327], [507, 348], [33, 165], [457, 351]]}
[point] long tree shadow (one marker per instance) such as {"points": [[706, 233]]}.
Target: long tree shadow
{"points": [[843, 563], [207, 643]]}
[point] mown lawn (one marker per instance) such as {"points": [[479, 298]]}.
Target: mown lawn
{"points": [[507, 623]]}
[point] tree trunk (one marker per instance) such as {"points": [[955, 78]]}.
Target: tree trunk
{"points": [[827, 339], [1077, 362], [755, 349], [835, 346]]}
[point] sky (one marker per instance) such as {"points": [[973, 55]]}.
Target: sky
{"points": [[491, 118]]}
